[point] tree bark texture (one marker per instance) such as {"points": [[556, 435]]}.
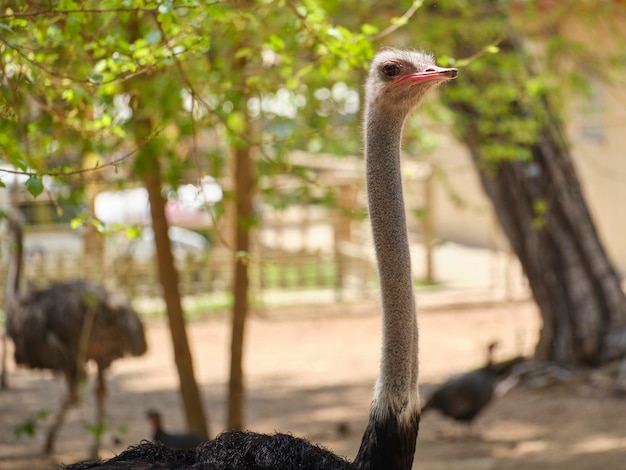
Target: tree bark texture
{"points": [[168, 277], [244, 193], [541, 207]]}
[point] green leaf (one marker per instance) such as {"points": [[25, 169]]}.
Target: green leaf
{"points": [[236, 122], [492, 49], [369, 29], [77, 222], [535, 86], [166, 21], [276, 43], [68, 94], [26, 428], [34, 186], [133, 232], [244, 52], [292, 83]]}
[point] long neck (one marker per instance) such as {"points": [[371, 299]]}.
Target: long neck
{"points": [[395, 408], [397, 382]]}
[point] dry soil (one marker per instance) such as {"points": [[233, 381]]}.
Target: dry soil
{"points": [[310, 371]]}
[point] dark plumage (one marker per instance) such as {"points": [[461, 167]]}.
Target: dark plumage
{"points": [[145, 456], [67, 324], [464, 396], [46, 326], [171, 440], [397, 82], [253, 451]]}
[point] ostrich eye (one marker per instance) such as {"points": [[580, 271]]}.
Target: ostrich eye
{"points": [[391, 69]]}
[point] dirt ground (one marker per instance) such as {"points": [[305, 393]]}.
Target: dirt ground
{"points": [[311, 371]]}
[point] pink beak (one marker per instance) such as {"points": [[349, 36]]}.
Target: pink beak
{"points": [[431, 73]]}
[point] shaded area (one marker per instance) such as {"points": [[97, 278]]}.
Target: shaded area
{"points": [[311, 374]]}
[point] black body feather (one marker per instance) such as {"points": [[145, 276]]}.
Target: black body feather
{"points": [[463, 397]]}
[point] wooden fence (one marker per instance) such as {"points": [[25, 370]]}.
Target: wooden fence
{"points": [[274, 274]]}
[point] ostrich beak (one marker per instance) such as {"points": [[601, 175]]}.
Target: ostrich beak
{"points": [[432, 73]]}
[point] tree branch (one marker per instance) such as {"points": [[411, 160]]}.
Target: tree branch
{"points": [[399, 22], [97, 166], [35, 13]]}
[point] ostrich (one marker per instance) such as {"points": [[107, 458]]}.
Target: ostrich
{"points": [[65, 325], [171, 440], [463, 397], [397, 82]]}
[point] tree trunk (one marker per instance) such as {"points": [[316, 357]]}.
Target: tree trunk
{"points": [[244, 192], [15, 227], [572, 280], [168, 277], [244, 183], [540, 205], [148, 168]]}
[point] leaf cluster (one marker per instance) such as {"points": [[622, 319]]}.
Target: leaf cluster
{"points": [[515, 74], [82, 77]]}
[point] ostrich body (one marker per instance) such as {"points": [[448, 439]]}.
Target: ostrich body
{"points": [[397, 82], [65, 325], [463, 397]]}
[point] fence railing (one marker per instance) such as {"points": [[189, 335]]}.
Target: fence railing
{"points": [[341, 275]]}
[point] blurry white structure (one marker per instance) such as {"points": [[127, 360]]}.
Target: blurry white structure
{"points": [[185, 243], [130, 206], [50, 235], [185, 207]]}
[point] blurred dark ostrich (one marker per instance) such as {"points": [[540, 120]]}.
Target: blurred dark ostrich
{"points": [[168, 439], [463, 397], [396, 84], [65, 325]]}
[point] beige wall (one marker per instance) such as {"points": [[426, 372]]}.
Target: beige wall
{"points": [[469, 220], [599, 147]]}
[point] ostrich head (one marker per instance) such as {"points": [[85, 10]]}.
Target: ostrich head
{"points": [[154, 417], [399, 80]]}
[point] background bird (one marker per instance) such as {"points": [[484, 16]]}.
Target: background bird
{"points": [[171, 440], [397, 82], [65, 325], [463, 397]]}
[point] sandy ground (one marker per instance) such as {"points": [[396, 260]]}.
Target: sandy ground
{"points": [[311, 372]]}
